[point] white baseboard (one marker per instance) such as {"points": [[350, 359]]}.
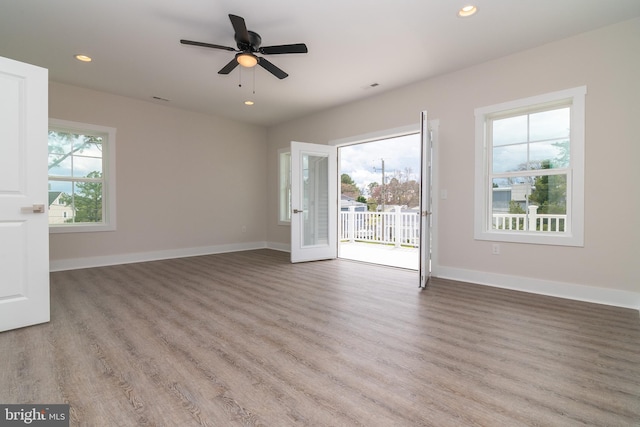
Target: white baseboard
{"points": [[282, 247], [102, 261], [614, 297]]}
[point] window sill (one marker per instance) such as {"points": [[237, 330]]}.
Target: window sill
{"points": [[554, 239], [81, 228]]}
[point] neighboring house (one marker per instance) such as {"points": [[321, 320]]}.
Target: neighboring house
{"points": [[346, 202], [59, 213], [516, 193]]}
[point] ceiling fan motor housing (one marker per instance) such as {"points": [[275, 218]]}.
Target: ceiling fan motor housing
{"points": [[254, 42]]}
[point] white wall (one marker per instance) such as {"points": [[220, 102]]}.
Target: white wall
{"points": [[608, 63], [186, 182]]}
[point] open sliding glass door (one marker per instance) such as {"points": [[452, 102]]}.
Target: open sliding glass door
{"points": [[425, 201], [314, 202]]}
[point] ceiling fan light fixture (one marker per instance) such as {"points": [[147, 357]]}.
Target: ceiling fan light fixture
{"points": [[467, 11], [247, 60]]}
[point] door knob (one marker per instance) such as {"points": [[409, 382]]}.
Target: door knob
{"points": [[33, 209], [297, 211]]}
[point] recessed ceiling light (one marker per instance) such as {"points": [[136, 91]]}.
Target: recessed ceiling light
{"points": [[467, 11], [83, 58], [248, 102]]}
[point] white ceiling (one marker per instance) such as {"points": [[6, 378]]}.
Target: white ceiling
{"points": [[352, 45]]}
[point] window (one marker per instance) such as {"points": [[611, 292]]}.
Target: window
{"points": [[530, 170], [81, 177], [284, 168]]}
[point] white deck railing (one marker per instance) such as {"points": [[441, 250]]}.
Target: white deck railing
{"points": [[533, 221], [403, 228], [392, 228]]}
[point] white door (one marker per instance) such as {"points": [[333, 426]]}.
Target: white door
{"points": [[24, 233], [425, 201], [314, 202]]}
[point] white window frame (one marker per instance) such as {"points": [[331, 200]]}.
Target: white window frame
{"points": [[284, 186], [108, 173], [574, 236]]}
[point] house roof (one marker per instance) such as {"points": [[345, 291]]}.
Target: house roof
{"points": [[53, 195]]}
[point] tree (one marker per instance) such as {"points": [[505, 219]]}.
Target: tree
{"points": [[63, 145], [550, 192], [348, 187], [86, 200], [346, 179], [400, 190]]}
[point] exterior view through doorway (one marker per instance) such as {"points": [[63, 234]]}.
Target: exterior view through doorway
{"points": [[379, 211]]}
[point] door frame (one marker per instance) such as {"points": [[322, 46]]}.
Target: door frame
{"points": [[435, 192]]}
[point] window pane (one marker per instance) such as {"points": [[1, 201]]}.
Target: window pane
{"points": [[549, 193], [87, 202], [285, 186], [69, 151], [509, 203], [91, 147], [510, 130], [60, 210], [79, 202], [549, 155], [530, 203], [59, 165], [509, 158], [84, 166], [316, 187], [553, 124]]}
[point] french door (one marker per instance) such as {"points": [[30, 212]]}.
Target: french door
{"points": [[425, 201], [314, 202], [24, 228]]}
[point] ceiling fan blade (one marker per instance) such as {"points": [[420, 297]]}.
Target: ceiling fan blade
{"points": [[239, 26], [272, 68], [229, 67], [201, 44], [284, 48]]}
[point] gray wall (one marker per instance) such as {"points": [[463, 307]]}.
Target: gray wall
{"points": [[184, 180]]}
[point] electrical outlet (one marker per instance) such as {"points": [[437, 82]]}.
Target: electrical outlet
{"points": [[244, 229], [495, 249]]}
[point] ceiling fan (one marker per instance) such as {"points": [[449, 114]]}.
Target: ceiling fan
{"points": [[248, 44]]}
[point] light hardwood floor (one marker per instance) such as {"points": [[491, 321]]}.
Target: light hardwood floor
{"points": [[249, 339]]}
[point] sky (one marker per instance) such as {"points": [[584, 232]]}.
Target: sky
{"points": [[77, 165], [530, 137], [363, 162]]}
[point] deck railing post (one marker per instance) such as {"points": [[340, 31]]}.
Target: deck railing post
{"points": [[351, 224], [398, 225], [533, 214]]}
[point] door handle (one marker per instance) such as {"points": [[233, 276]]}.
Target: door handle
{"points": [[297, 211], [37, 208], [426, 213]]}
